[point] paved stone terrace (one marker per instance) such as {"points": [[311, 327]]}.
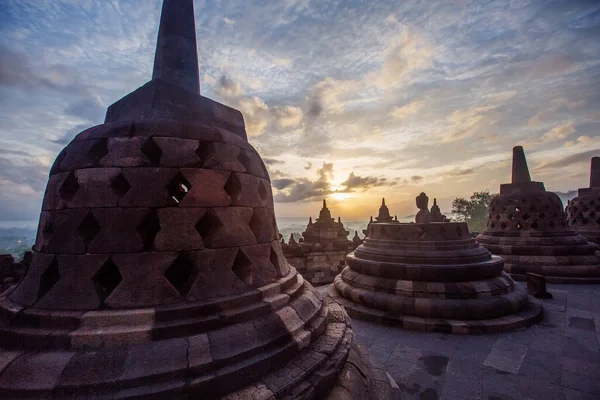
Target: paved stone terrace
{"points": [[558, 358]]}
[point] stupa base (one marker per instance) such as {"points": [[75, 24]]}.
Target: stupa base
{"points": [[554, 269], [530, 314]]}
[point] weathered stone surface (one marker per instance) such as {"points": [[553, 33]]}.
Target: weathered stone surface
{"points": [[528, 229]]}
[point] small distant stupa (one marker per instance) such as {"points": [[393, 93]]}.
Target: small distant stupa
{"points": [[583, 212], [321, 254], [527, 227]]}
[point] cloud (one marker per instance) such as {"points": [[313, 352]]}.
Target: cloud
{"points": [[559, 132], [364, 182], [407, 109], [281, 184], [406, 54], [582, 157], [308, 166], [258, 116], [229, 21], [461, 172], [416, 179], [552, 64], [302, 189], [90, 109], [466, 122], [272, 161]]}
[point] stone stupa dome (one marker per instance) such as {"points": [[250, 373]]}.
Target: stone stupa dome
{"points": [[157, 269]]}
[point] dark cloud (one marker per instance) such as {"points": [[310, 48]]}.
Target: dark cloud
{"points": [[280, 184], [572, 159], [359, 182], [16, 71], [22, 172], [305, 189], [416, 179], [461, 172], [90, 109], [272, 161], [308, 166], [70, 134]]}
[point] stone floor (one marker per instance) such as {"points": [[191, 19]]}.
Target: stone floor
{"points": [[557, 359]]}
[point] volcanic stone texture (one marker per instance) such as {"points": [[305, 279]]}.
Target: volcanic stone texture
{"points": [[431, 277], [529, 230]]}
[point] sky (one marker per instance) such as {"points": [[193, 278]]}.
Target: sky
{"points": [[350, 101]]}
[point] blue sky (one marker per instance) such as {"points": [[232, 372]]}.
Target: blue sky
{"points": [[348, 100]]}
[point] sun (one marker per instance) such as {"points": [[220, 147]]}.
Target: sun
{"points": [[340, 196]]}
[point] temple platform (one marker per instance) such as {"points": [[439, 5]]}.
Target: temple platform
{"points": [[557, 358]]}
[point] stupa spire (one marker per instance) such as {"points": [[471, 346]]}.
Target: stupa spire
{"points": [[520, 171], [324, 204], [383, 202], [595, 172], [176, 59]]}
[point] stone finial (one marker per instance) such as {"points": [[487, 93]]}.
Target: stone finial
{"points": [[396, 218], [595, 172], [520, 171], [324, 203], [176, 59], [339, 220], [371, 219], [383, 202], [310, 220]]}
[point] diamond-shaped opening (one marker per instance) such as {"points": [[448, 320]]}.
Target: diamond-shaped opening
{"points": [[69, 187], [532, 208], [244, 160], [524, 199], [592, 214], [497, 217], [510, 217], [148, 229], [88, 229], [542, 215], [205, 151], [98, 151], [492, 225], [208, 225], [534, 225], [120, 185], [59, 159], [274, 258], [242, 268], [107, 279], [152, 151], [255, 225], [48, 279], [503, 225], [519, 226], [517, 209], [592, 203], [526, 217], [262, 191], [555, 215], [181, 274], [233, 187], [178, 188], [551, 224]]}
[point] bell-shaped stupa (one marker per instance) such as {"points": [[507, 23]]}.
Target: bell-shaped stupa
{"points": [[431, 277], [583, 212], [527, 227], [157, 270]]}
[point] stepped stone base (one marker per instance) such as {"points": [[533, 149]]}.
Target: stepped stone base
{"points": [[531, 314], [283, 340]]}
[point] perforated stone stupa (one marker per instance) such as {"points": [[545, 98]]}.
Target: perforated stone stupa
{"points": [[321, 254], [157, 270], [431, 277], [382, 217], [583, 212], [528, 228]]}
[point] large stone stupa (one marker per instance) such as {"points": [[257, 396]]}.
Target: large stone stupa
{"points": [[527, 227], [431, 277], [157, 270], [583, 212]]}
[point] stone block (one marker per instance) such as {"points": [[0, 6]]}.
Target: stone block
{"points": [[263, 272], [18, 374], [536, 286], [149, 187], [95, 188], [232, 229], [148, 286], [199, 352], [129, 152], [84, 154], [94, 367], [207, 188], [232, 340], [76, 278], [55, 232], [148, 360], [177, 152], [224, 157], [215, 276], [178, 229], [119, 230]]}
